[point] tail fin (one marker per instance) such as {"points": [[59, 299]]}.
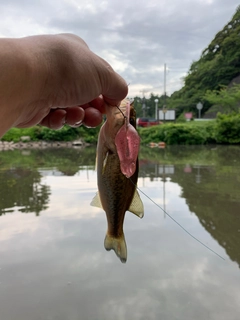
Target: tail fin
{"points": [[118, 245]]}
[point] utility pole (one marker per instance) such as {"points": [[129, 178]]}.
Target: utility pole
{"points": [[165, 83], [165, 93], [143, 91]]}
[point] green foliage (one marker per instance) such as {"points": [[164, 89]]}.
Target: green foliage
{"points": [[64, 134], [67, 133], [181, 119], [227, 98], [225, 130], [182, 134], [210, 129], [189, 133], [152, 134], [217, 66], [228, 128], [15, 134], [150, 105]]}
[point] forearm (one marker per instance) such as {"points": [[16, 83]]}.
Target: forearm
{"points": [[15, 77]]}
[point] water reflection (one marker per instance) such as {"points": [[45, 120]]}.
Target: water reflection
{"points": [[168, 275], [21, 185], [22, 188], [209, 178]]}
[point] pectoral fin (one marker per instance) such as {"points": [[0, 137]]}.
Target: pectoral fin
{"points": [[96, 202], [136, 206]]}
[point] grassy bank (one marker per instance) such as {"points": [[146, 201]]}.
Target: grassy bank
{"points": [[188, 133], [39, 133], [224, 130]]}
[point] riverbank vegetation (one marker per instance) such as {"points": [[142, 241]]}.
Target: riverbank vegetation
{"points": [[224, 130], [39, 133]]}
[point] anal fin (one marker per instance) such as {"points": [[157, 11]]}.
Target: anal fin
{"points": [[136, 205]]}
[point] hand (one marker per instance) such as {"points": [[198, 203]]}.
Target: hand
{"points": [[89, 115], [55, 79]]}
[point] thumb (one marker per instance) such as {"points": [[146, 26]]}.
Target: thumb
{"points": [[116, 90], [114, 87]]}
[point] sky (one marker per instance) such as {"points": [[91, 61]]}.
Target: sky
{"points": [[136, 37]]}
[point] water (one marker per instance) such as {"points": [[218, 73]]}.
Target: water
{"points": [[52, 261]]}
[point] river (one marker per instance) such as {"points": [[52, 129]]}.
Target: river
{"points": [[53, 265]]}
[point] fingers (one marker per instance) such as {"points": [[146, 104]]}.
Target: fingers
{"points": [[74, 116], [97, 103], [55, 119], [58, 117], [93, 117]]}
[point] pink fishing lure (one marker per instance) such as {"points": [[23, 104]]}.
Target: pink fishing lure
{"points": [[127, 142]]}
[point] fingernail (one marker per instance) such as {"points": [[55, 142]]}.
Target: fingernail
{"points": [[64, 120], [77, 124]]}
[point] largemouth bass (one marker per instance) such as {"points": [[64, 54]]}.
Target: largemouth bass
{"points": [[117, 174]]}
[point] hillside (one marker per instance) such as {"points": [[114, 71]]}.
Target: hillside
{"points": [[218, 65]]}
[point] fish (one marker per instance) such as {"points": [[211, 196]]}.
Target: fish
{"points": [[117, 174]]}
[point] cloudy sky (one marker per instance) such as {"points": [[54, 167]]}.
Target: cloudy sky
{"points": [[136, 37]]}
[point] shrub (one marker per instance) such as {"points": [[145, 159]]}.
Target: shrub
{"points": [[64, 134], [210, 128], [42, 133], [228, 128], [15, 134], [185, 134], [181, 118], [152, 134], [189, 133]]}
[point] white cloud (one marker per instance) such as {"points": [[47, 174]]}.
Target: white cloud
{"points": [[136, 37]]}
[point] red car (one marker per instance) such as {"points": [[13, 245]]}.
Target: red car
{"points": [[145, 122]]}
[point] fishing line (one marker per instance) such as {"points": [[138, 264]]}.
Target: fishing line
{"points": [[191, 235], [121, 112], [177, 222]]}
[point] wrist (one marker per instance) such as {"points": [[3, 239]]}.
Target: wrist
{"points": [[13, 80]]}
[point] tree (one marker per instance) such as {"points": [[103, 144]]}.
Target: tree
{"points": [[228, 98], [217, 66], [150, 105]]}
